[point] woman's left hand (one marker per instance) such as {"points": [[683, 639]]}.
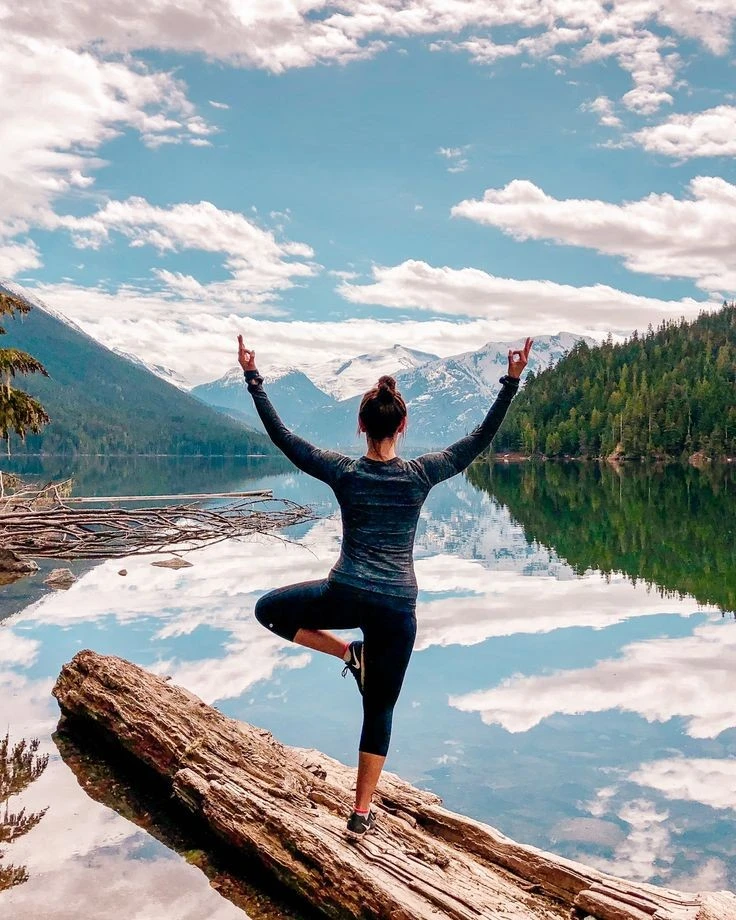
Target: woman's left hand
{"points": [[518, 359], [246, 356]]}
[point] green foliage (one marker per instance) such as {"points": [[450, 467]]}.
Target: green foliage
{"points": [[674, 527], [19, 412], [20, 765], [100, 403], [668, 394]]}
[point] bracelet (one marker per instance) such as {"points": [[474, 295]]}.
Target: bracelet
{"points": [[252, 377], [507, 380]]}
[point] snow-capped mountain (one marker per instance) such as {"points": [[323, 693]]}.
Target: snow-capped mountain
{"points": [[343, 379], [293, 392], [446, 397], [35, 301], [165, 373]]}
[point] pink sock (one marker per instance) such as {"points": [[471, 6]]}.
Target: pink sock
{"points": [[345, 652], [358, 811]]}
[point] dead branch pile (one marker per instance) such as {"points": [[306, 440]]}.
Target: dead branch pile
{"points": [[61, 532]]}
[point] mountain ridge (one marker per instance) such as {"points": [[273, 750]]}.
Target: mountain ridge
{"points": [[100, 402]]}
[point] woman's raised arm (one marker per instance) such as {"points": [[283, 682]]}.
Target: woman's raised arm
{"points": [[326, 465], [443, 464]]}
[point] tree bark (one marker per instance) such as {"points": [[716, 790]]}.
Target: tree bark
{"points": [[286, 808]]}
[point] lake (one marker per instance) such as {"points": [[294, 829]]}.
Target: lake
{"points": [[571, 684]]}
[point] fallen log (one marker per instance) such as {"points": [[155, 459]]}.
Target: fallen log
{"points": [[285, 808]]}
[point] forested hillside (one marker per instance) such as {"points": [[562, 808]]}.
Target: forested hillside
{"points": [[101, 403], [667, 393]]}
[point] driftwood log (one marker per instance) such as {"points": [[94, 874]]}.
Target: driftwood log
{"points": [[285, 809]]}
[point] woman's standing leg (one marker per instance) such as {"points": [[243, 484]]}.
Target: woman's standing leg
{"points": [[389, 640]]}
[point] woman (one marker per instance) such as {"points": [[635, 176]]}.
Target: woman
{"points": [[372, 585]]}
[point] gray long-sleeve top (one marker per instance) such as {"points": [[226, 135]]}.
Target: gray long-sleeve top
{"points": [[379, 500]]}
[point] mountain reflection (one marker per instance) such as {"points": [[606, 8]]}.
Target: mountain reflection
{"points": [[673, 527]]}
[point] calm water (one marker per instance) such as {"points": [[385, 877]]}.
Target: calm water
{"points": [[572, 682]]}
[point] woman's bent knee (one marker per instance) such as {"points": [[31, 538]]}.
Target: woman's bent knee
{"points": [[274, 617]]}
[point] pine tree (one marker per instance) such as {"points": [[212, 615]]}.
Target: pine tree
{"points": [[19, 412], [19, 767], [666, 394]]}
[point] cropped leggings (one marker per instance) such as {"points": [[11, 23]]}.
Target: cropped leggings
{"points": [[389, 627]]}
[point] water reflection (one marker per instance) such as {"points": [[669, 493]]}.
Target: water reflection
{"points": [[560, 696], [20, 765], [689, 678], [673, 527], [138, 795]]}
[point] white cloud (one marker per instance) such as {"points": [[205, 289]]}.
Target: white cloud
{"points": [[639, 681], [543, 306], [692, 237], [153, 326], [647, 849], [458, 162], [709, 781], [541, 604], [219, 105], [642, 54], [18, 257], [258, 263], [291, 34], [17, 650], [57, 106], [604, 108], [711, 133]]}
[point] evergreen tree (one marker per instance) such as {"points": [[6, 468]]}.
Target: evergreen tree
{"points": [[19, 767], [19, 412], [666, 393]]}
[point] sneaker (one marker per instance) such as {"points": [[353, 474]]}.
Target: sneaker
{"points": [[355, 663], [360, 825]]}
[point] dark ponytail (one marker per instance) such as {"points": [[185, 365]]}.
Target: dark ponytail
{"points": [[382, 410]]}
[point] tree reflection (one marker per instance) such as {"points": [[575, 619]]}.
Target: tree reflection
{"points": [[20, 765], [670, 527], [113, 777]]}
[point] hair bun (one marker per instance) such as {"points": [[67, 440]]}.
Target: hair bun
{"points": [[386, 388]]}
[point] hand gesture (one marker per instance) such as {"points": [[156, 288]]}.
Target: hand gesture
{"points": [[246, 356], [518, 359]]}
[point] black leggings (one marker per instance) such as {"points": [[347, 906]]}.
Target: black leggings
{"points": [[389, 627]]}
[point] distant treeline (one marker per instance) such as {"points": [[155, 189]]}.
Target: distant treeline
{"points": [[673, 527], [668, 393]]}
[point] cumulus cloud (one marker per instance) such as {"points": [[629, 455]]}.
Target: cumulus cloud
{"points": [[710, 781], [18, 257], [545, 305], [603, 107], [690, 237], [258, 263], [639, 681], [57, 106], [541, 605], [711, 133], [281, 36]]}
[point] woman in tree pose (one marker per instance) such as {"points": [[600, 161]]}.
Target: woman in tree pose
{"points": [[372, 585]]}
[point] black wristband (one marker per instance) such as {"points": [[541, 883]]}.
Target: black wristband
{"points": [[252, 377], [508, 381]]}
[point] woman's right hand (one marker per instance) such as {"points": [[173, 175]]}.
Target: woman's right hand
{"points": [[246, 356]]}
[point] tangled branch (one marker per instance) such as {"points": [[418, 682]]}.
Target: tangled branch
{"points": [[61, 532]]}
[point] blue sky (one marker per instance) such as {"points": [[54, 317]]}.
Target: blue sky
{"points": [[438, 173]]}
